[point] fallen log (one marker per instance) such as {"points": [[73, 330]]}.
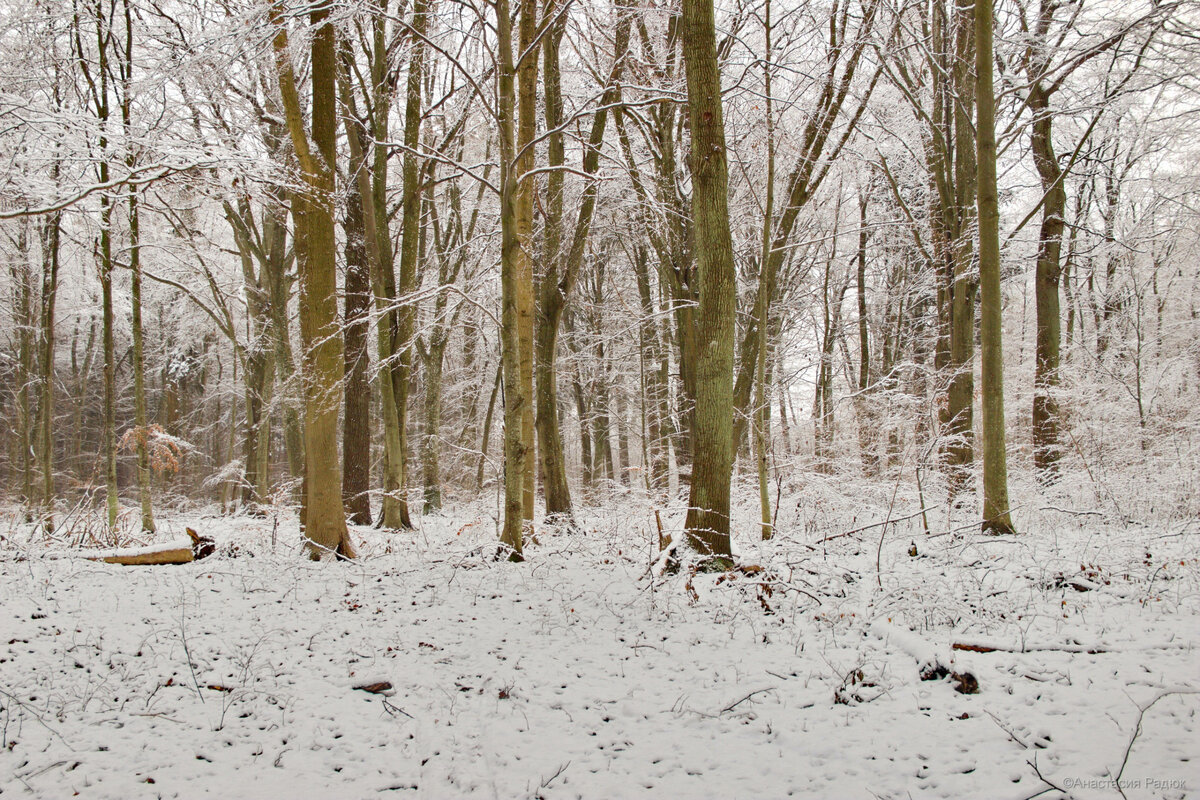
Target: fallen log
{"points": [[167, 553], [933, 662]]}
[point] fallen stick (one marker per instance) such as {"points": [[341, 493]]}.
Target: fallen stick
{"points": [[888, 521], [985, 646]]}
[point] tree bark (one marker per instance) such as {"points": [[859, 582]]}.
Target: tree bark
{"points": [[135, 268], [1046, 421], [378, 249], [516, 277], [712, 436], [526, 71], [312, 208], [51, 235], [551, 293], [23, 318], [356, 421], [995, 469], [410, 239]]}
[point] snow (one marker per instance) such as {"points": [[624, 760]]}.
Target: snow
{"points": [[580, 674]]}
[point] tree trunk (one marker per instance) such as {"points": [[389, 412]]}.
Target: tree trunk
{"points": [[378, 250], [356, 422], [960, 452], [431, 472], [762, 396], [516, 277], [259, 369], [139, 378], [275, 232], [51, 234], [526, 71], [313, 208], [135, 269], [110, 365], [551, 294], [654, 389], [410, 240], [712, 436], [23, 317], [995, 470], [865, 404], [100, 100], [562, 265], [1046, 452], [487, 430]]}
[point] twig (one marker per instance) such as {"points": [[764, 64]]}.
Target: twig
{"points": [[888, 521], [1137, 729], [545, 784], [187, 653], [737, 703], [1012, 735], [1072, 511], [921, 500], [883, 533], [1049, 782], [25, 707], [395, 709]]}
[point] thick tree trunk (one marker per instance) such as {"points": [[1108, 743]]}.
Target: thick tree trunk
{"points": [[1046, 450], [516, 277], [961, 396], [378, 249], [995, 469], [712, 436], [551, 293], [356, 421], [324, 518], [526, 71]]}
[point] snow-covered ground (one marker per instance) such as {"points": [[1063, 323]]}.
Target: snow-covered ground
{"points": [[579, 674]]}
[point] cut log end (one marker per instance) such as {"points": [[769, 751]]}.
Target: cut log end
{"points": [[202, 546]]}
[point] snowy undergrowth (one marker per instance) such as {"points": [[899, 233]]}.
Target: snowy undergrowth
{"points": [[579, 674]]}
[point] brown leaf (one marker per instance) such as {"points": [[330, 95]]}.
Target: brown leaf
{"points": [[382, 687]]}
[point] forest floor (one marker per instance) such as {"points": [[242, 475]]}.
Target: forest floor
{"points": [[581, 674]]}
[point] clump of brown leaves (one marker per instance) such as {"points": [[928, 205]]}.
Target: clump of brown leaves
{"points": [[166, 452]]}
